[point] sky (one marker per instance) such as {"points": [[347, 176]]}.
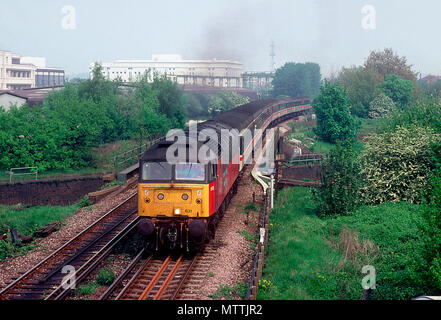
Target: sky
{"points": [[334, 33]]}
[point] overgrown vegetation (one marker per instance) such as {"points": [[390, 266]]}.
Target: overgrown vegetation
{"points": [[25, 221], [334, 120], [62, 132], [313, 258], [205, 106], [340, 191], [297, 79], [239, 291]]}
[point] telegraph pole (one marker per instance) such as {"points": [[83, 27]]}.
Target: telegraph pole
{"points": [[272, 55]]}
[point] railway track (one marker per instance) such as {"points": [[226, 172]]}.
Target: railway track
{"points": [[154, 278], [84, 252]]}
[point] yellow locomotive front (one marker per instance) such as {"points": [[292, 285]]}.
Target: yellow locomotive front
{"points": [[173, 203]]}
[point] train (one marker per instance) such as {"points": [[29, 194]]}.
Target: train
{"points": [[181, 202]]}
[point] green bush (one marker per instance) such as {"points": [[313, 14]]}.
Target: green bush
{"points": [[105, 276], [432, 229], [397, 163], [341, 182], [61, 133], [84, 202], [381, 106]]}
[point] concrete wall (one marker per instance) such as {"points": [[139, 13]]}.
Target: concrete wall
{"points": [[64, 191]]}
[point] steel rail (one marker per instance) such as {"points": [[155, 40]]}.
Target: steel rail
{"points": [[169, 278], [155, 279], [93, 262], [57, 252], [122, 276]]}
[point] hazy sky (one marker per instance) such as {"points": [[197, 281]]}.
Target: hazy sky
{"points": [[328, 32]]}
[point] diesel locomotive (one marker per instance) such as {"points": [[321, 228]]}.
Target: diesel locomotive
{"points": [[180, 202]]}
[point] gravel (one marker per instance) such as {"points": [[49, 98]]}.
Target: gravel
{"points": [[14, 267], [234, 260]]}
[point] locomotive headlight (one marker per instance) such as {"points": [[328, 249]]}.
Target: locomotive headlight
{"points": [[198, 201], [184, 196], [160, 196], [177, 211], [147, 200]]}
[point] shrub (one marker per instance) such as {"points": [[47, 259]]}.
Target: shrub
{"points": [[399, 90], [397, 164], [84, 202], [381, 106], [105, 277], [341, 182], [432, 230]]}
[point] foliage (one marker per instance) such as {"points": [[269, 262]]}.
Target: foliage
{"points": [[341, 182], [61, 134], [431, 90], [106, 276], [84, 202], [381, 106], [26, 220], [87, 289], [204, 106], [394, 228], [423, 114], [312, 258], [387, 62], [397, 163], [297, 79], [399, 90], [239, 291], [432, 229], [362, 87], [334, 120]]}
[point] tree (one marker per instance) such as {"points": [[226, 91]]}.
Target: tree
{"points": [[399, 90], [381, 106], [341, 182], [297, 79], [171, 100], [334, 120], [362, 87], [387, 62]]}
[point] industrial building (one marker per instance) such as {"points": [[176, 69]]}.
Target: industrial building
{"points": [[215, 73]]}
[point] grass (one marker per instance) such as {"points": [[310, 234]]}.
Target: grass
{"points": [[106, 276], [26, 220], [313, 258], [239, 291], [111, 184], [87, 289]]}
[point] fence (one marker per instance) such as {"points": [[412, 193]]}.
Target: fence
{"points": [[260, 252], [32, 171], [130, 157]]}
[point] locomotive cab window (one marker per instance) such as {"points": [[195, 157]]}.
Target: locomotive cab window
{"points": [[190, 171], [156, 171]]}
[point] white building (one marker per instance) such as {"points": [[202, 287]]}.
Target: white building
{"points": [[216, 73], [17, 72], [13, 74]]}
